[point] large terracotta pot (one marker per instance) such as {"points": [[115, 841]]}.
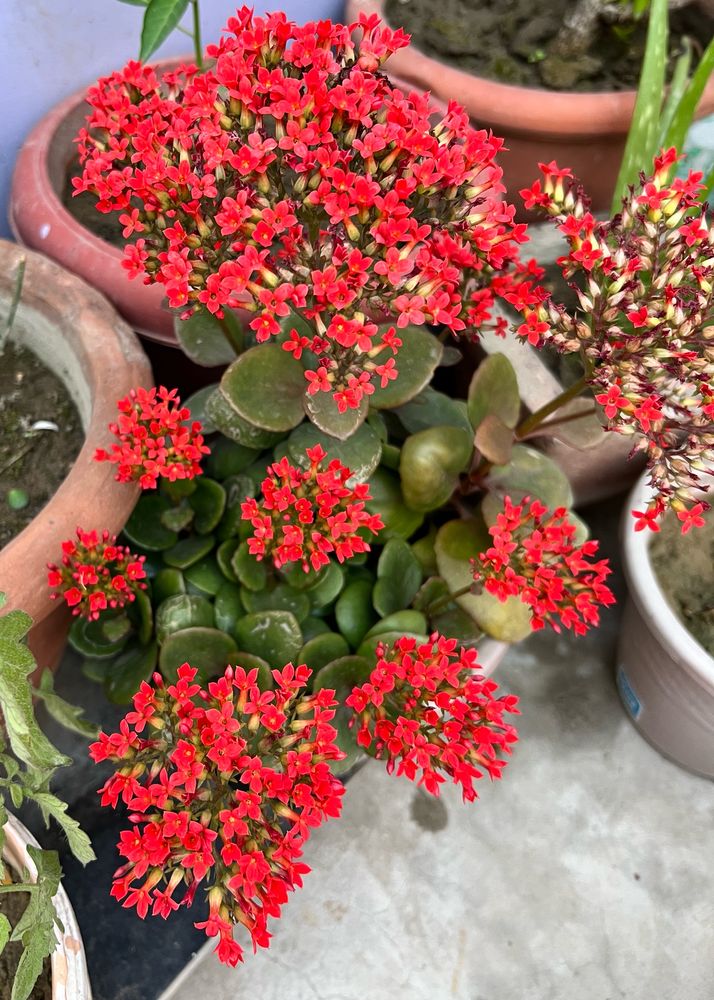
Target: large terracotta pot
{"points": [[665, 678], [585, 132], [70, 980], [77, 334]]}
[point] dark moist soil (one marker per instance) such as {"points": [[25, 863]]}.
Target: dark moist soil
{"points": [[507, 40], [684, 566], [12, 905], [35, 462]]}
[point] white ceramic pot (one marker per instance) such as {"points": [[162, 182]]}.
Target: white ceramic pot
{"points": [[70, 980], [665, 678]]}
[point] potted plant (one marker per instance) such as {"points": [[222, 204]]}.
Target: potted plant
{"points": [[74, 336], [552, 117], [665, 666], [40, 944]]}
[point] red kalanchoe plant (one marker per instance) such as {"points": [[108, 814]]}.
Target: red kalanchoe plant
{"points": [[305, 515], [643, 328], [156, 439], [291, 175], [96, 574], [428, 711], [224, 786], [534, 557]]}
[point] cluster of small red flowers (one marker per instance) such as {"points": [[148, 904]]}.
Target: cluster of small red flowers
{"points": [[155, 439], [432, 715], [96, 574], [223, 787], [306, 514], [534, 557], [291, 174], [643, 326]]}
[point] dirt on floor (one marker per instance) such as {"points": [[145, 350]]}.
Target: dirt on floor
{"points": [[33, 462], [684, 565], [12, 905], [508, 40]]}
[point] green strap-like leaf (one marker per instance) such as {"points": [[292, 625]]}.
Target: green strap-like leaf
{"points": [[675, 91], [687, 106], [160, 19]]}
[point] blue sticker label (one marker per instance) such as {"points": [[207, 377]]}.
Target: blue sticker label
{"points": [[632, 702]]}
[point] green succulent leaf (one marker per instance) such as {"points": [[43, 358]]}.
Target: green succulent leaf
{"points": [[322, 410], [368, 648], [179, 517], [408, 620], [494, 391], [251, 572], [209, 650], [531, 473], [399, 520], [237, 428], [188, 551], [360, 452], [90, 639], [208, 501], [228, 458], [202, 338], [354, 611], [494, 439], [449, 619], [160, 19], [36, 927], [180, 612], [228, 608], [205, 576], [275, 636], [430, 409], [326, 588], [398, 577], [279, 598], [167, 583], [145, 527], [250, 662], [341, 676], [417, 360], [322, 649], [430, 464], [136, 664], [245, 386], [196, 404], [313, 626]]}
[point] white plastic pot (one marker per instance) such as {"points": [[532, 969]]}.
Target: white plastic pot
{"points": [[665, 678], [70, 980]]}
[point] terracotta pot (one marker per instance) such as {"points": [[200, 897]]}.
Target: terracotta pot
{"points": [[665, 678], [585, 132], [70, 980], [77, 334]]}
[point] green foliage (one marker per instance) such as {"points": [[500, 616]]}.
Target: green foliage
{"points": [[209, 341], [27, 763]]}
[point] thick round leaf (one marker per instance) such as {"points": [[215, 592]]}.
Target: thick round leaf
{"points": [[398, 577], [134, 665], [341, 676], [188, 551], [494, 439], [208, 501], [144, 527], [266, 386], [430, 465], [280, 598], [252, 573], [450, 619], [387, 501], [457, 542], [494, 390], [207, 649], [401, 621], [178, 517], [530, 472], [322, 410], [205, 576], [229, 422], [167, 583], [354, 611], [275, 636], [177, 489], [90, 639], [228, 608], [180, 612], [328, 586], [196, 405], [360, 452], [423, 549], [433, 409], [416, 361], [224, 557], [323, 649], [202, 338], [142, 616], [312, 626], [228, 458]]}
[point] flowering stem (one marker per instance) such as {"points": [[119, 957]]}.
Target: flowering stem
{"points": [[197, 45], [545, 427], [447, 598], [536, 419]]}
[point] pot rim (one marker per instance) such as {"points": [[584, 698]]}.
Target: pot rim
{"points": [[649, 597]]}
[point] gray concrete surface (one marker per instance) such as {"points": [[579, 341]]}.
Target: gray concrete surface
{"points": [[586, 874]]}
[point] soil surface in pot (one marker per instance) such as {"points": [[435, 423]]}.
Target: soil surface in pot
{"points": [[684, 565], [33, 463], [12, 905], [508, 40]]}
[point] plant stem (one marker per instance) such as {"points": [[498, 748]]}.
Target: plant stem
{"points": [[545, 427], [230, 337], [447, 598], [197, 44], [537, 418]]}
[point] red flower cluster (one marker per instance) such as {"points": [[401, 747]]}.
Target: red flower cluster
{"points": [[430, 713], [643, 327], [534, 558], [305, 514], [96, 574], [155, 439], [291, 175], [223, 786]]}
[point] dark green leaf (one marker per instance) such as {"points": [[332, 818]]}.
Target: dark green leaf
{"points": [[416, 362], [136, 664], [275, 636], [360, 452], [167, 583], [209, 502], [387, 501], [354, 611], [228, 608], [144, 527], [180, 612], [196, 404], [250, 662], [322, 410], [408, 620], [329, 584], [323, 649], [160, 19], [205, 576], [686, 109], [430, 409], [245, 386], [202, 338], [224, 555], [235, 427], [430, 465], [531, 473], [368, 648], [279, 598], [207, 649], [228, 458], [89, 639], [251, 572], [494, 439], [398, 577], [188, 551]]}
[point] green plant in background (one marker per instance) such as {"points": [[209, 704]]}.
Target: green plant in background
{"points": [[27, 763], [161, 17]]}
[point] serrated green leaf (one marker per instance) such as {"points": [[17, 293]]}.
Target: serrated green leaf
{"points": [[78, 841], [160, 19], [70, 716]]}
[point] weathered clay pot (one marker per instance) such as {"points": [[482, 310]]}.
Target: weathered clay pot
{"points": [[665, 678], [70, 980], [585, 132], [77, 334]]}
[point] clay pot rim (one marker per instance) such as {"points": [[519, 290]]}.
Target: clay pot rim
{"points": [[516, 109], [649, 597], [70, 979]]}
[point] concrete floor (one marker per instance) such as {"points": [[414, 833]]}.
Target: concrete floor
{"points": [[586, 874]]}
